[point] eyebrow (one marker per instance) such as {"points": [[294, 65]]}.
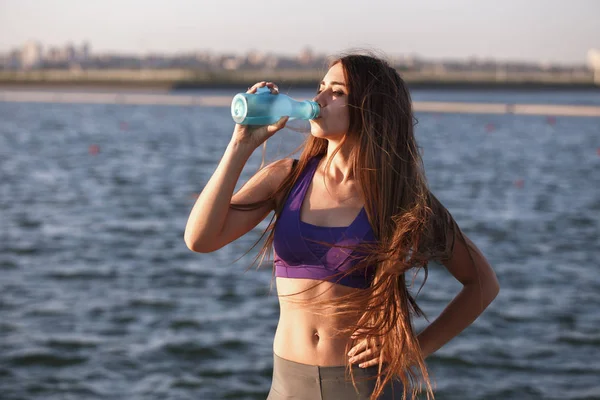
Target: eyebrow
{"points": [[333, 83]]}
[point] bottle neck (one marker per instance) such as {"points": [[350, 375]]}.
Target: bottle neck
{"points": [[315, 108]]}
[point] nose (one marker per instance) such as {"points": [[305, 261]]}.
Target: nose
{"points": [[318, 99]]}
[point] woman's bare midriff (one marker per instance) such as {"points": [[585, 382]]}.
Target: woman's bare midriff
{"points": [[305, 337]]}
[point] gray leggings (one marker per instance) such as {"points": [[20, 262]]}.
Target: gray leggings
{"points": [[292, 380]]}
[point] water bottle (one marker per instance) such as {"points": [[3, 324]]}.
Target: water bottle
{"points": [[264, 108]]}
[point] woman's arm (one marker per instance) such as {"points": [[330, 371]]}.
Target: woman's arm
{"points": [[480, 286], [208, 216], [211, 224]]}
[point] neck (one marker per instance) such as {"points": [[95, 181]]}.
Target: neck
{"points": [[339, 171]]}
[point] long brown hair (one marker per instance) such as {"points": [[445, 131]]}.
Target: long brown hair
{"points": [[410, 224]]}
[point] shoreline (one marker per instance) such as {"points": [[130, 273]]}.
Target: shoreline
{"points": [[199, 100]]}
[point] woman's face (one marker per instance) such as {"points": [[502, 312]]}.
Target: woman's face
{"points": [[332, 96]]}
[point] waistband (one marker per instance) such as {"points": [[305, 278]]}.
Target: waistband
{"points": [[323, 372]]}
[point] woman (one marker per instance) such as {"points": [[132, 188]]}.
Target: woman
{"points": [[352, 217]]}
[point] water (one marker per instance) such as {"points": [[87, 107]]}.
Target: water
{"points": [[101, 299]]}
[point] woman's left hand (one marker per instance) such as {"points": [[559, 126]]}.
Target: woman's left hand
{"points": [[361, 353]]}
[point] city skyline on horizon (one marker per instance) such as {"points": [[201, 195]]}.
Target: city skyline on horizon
{"points": [[540, 31], [46, 47]]}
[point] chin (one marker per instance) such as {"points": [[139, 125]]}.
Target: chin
{"points": [[317, 131]]}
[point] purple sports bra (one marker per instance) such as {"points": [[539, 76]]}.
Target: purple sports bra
{"points": [[296, 256]]}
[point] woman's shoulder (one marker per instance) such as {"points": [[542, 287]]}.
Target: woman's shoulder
{"points": [[278, 170], [284, 165], [282, 168]]}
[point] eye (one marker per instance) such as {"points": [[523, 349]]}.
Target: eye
{"points": [[335, 92]]}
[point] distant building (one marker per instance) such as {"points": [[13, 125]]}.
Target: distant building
{"points": [[306, 56], [10, 60], [271, 62], [232, 63], [255, 57], [54, 54], [85, 52], [70, 53], [31, 55], [593, 58], [594, 64]]}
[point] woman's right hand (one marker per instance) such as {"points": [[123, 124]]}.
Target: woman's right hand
{"points": [[253, 135]]}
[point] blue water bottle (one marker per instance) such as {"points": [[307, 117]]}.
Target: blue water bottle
{"points": [[264, 108]]}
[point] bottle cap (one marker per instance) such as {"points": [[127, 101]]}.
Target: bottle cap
{"points": [[239, 108]]}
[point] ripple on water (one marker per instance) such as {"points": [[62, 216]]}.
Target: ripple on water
{"points": [[82, 274], [450, 361], [6, 373], [523, 391], [9, 264], [23, 249], [188, 382], [44, 358], [182, 324], [60, 389], [579, 339], [191, 350], [152, 303], [73, 342]]}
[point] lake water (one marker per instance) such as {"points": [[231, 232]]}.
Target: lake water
{"points": [[101, 299]]}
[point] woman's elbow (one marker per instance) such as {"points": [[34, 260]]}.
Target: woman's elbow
{"points": [[492, 288], [195, 245]]}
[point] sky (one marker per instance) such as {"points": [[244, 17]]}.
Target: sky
{"points": [[553, 31]]}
